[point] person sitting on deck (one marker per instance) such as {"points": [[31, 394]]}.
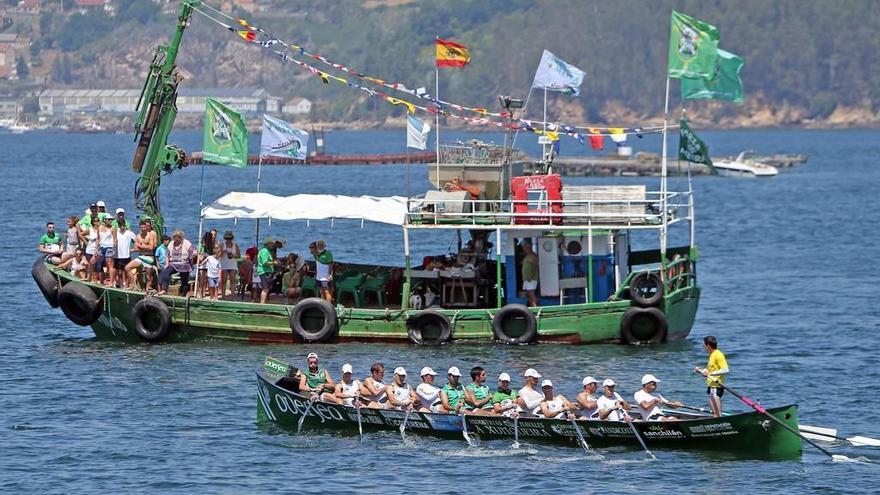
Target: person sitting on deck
{"points": [[323, 269], [587, 401], [78, 265], [316, 381], [50, 244], [429, 395], [611, 403], [456, 185], [348, 389], [145, 244], [373, 388], [554, 406], [400, 394], [452, 394], [291, 282], [649, 403], [529, 399], [504, 399], [477, 399]]}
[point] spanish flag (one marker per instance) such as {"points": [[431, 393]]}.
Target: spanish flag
{"points": [[451, 54]]}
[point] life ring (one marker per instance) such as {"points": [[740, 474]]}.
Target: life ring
{"points": [[515, 324], [80, 304], [428, 328], [646, 289], [643, 326], [314, 320], [47, 283], [152, 319]]}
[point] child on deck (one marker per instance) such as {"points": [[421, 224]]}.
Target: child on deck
{"points": [[212, 269]]}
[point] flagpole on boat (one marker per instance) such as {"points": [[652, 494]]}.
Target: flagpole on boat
{"points": [[259, 175], [201, 223], [663, 175], [544, 144], [437, 134]]}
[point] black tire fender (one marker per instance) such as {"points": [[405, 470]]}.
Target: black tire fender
{"points": [[80, 304], [153, 329], [308, 308], [646, 289], [46, 282], [511, 313], [643, 326], [424, 320]]}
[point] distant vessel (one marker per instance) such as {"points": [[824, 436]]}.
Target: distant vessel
{"points": [[744, 165], [13, 127]]}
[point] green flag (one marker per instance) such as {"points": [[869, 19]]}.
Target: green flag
{"points": [[690, 147], [693, 46], [226, 137], [726, 85]]}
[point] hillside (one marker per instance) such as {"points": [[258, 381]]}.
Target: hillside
{"points": [[808, 62]]}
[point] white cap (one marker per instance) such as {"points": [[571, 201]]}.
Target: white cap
{"points": [[427, 370], [100, 204], [400, 371], [119, 210], [608, 382], [503, 377], [588, 380], [312, 355], [532, 373], [346, 368], [546, 383], [649, 378], [454, 371]]}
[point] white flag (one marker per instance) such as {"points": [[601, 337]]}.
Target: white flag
{"points": [[282, 139], [554, 74], [416, 133]]}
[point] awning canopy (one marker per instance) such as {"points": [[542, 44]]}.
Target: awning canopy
{"points": [[390, 210]]}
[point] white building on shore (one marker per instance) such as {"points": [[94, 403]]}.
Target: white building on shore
{"points": [[60, 102]]}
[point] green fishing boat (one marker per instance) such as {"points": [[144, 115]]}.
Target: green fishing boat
{"points": [[749, 434], [587, 284]]}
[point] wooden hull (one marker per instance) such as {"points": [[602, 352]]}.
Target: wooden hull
{"points": [[747, 434]]}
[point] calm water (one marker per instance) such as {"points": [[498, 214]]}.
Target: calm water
{"points": [[788, 270]]}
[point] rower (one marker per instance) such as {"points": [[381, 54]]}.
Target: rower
{"points": [[504, 399], [373, 388], [610, 403], [400, 395], [429, 395], [476, 395], [714, 373], [452, 394], [586, 400], [529, 397], [316, 381], [554, 406], [649, 402], [347, 390]]}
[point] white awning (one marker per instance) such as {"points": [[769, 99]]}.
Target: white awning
{"points": [[391, 210]]}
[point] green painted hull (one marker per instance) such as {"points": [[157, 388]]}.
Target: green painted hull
{"points": [[748, 434], [269, 323]]}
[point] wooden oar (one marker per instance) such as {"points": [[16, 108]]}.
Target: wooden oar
{"points": [[515, 432], [299, 425], [760, 409], [403, 425], [635, 431], [357, 407], [823, 434], [580, 435]]}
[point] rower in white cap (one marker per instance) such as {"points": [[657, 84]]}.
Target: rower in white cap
{"points": [[347, 390], [611, 402], [452, 394], [316, 381], [429, 395], [504, 399], [554, 406], [400, 394], [529, 396], [649, 403], [586, 400]]}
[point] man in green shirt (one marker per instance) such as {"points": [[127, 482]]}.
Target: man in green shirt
{"points": [[477, 398], [265, 268], [50, 244], [323, 269], [120, 218], [504, 399], [452, 394]]}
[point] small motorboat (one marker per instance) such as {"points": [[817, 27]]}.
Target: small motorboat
{"points": [[744, 165]]}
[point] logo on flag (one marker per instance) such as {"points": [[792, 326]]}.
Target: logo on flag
{"points": [[225, 136], [416, 133], [283, 140], [451, 54], [555, 74]]}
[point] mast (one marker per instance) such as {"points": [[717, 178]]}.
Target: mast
{"points": [[157, 109]]}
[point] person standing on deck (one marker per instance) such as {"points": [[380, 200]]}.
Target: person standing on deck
{"points": [[265, 268], [180, 254], [530, 272], [229, 262], [714, 372], [323, 268]]}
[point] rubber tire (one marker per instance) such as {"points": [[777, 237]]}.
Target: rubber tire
{"points": [[515, 311], [80, 304], [141, 309], [419, 321], [634, 314], [326, 332], [47, 283], [646, 278]]}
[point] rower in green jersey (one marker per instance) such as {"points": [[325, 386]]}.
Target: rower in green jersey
{"points": [[316, 381], [452, 394], [504, 399], [476, 395]]}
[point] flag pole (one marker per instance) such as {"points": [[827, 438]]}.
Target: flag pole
{"points": [[199, 239], [544, 145], [259, 175], [522, 115], [663, 175], [437, 133]]}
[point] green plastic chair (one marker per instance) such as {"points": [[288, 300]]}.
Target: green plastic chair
{"points": [[350, 285], [309, 286], [375, 285]]}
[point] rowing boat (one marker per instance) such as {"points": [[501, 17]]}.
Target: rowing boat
{"points": [[748, 434]]}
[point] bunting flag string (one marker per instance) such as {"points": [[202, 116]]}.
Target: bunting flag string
{"points": [[254, 35]]}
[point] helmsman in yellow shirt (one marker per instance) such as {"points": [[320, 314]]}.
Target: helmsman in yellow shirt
{"points": [[714, 373]]}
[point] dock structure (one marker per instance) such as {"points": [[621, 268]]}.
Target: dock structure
{"points": [[354, 159]]}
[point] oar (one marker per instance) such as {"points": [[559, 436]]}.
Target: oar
{"points": [[635, 432], [403, 425], [760, 409], [822, 434], [464, 431], [299, 425], [515, 432], [357, 407], [580, 435]]}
